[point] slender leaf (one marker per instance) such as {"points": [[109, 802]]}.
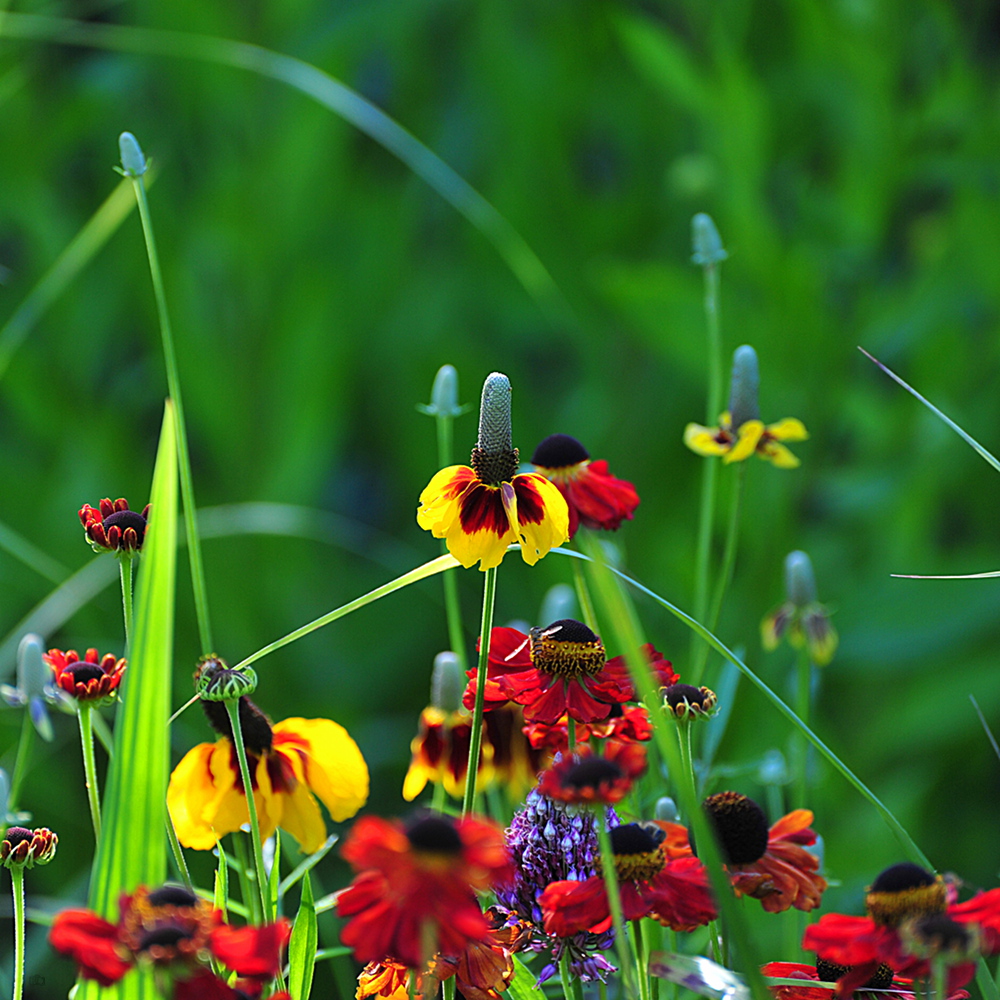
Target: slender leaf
{"points": [[302, 947], [523, 986], [307, 865]]}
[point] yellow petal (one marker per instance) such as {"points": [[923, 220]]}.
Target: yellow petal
{"points": [[749, 435], [701, 440], [189, 794], [484, 547], [301, 817], [333, 766], [537, 539], [778, 455], [441, 499], [788, 429]]}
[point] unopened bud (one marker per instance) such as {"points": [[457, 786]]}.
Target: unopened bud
{"points": [[133, 162], [706, 241], [666, 809], [23, 848], [447, 683], [800, 581], [744, 387], [215, 680]]}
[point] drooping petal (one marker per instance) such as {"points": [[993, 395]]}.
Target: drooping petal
{"points": [[251, 951], [439, 501], [704, 440], [542, 514], [778, 455], [748, 436], [789, 429], [92, 943], [193, 796]]}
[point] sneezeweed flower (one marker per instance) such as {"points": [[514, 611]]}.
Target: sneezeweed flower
{"points": [[481, 510], [910, 924], [554, 671], [415, 891], [595, 498], [684, 701], [741, 433], [24, 848], [801, 618], [548, 843], [826, 972], [771, 865], [661, 669], [673, 891], [290, 763], [587, 777], [113, 527], [92, 677], [625, 723], [173, 930]]}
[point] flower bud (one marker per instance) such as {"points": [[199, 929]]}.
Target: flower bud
{"points": [[23, 848], [666, 809], [444, 395], [215, 680], [744, 387], [133, 162], [495, 435], [800, 581], [447, 683], [707, 243]]}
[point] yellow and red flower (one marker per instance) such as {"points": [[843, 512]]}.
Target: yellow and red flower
{"points": [[415, 891], [595, 498], [735, 444], [290, 763], [113, 527], [587, 777], [169, 926], [673, 891], [92, 678], [771, 865], [910, 920]]}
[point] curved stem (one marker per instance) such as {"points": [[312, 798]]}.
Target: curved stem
{"points": [[183, 457], [125, 571], [687, 758], [803, 698], [583, 597], [21, 760], [232, 707], [614, 902], [17, 885], [83, 710], [476, 738]]}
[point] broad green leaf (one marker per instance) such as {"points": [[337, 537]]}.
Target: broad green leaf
{"points": [[302, 947], [133, 848], [522, 986]]}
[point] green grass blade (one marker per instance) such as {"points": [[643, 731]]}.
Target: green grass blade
{"points": [[16, 545], [523, 986], [302, 946], [133, 848], [304, 867], [904, 839], [332, 94], [79, 252], [967, 438]]}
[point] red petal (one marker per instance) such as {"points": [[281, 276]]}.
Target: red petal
{"points": [[251, 951], [92, 943]]}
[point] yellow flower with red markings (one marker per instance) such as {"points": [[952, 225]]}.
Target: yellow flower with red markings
{"points": [[481, 510]]}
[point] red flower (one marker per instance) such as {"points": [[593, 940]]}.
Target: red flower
{"points": [[594, 497], [416, 888], [662, 670], [552, 672], [94, 678], [625, 724], [112, 527], [900, 986], [675, 892], [588, 777], [909, 921], [168, 926], [770, 865]]}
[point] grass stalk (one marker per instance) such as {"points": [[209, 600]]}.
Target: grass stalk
{"points": [[17, 886], [476, 737], [125, 571], [83, 714]]}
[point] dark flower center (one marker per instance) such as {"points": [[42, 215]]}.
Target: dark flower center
{"points": [[566, 648], [125, 519], [940, 933], [81, 671], [494, 468], [166, 936], [434, 834], [636, 847], [257, 734], [902, 891], [172, 895], [558, 451], [17, 835], [828, 972], [592, 773], [740, 825]]}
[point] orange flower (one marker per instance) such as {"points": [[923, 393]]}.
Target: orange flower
{"points": [[94, 678]]}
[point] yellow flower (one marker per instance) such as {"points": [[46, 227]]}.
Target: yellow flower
{"points": [[751, 436], [290, 763]]}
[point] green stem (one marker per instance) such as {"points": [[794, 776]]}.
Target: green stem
{"points": [[803, 697], [174, 387], [179, 860], [448, 988], [614, 902], [232, 707], [687, 757], [21, 760], [452, 606], [125, 571], [565, 975], [83, 710], [476, 738], [583, 596], [17, 885], [640, 959], [570, 734], [251, 898]]}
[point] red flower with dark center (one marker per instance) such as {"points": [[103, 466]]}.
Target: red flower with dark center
{"points": [[587, 777], [662, 670], [112, 527], [769, 864], [625, 723], [594, 497], [554, 671], [169, 926], [673, 891], [92, 678], [909, 921], [901, 987], [415, 891]]}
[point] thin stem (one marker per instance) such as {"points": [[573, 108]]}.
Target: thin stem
{"points": [[174, 387], [452, 605], [687, 757], [83, 710], [803, 693], [24, 746], [232, 707], [570, 734], [476, 738], [640, 959], [179, 859], [125, 571], [17, 885], [251, 898], [565, 975], [614, 902], [729, 553], [583, 596]]}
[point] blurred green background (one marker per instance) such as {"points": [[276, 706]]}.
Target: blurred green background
{"points": [[848, 153]]}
